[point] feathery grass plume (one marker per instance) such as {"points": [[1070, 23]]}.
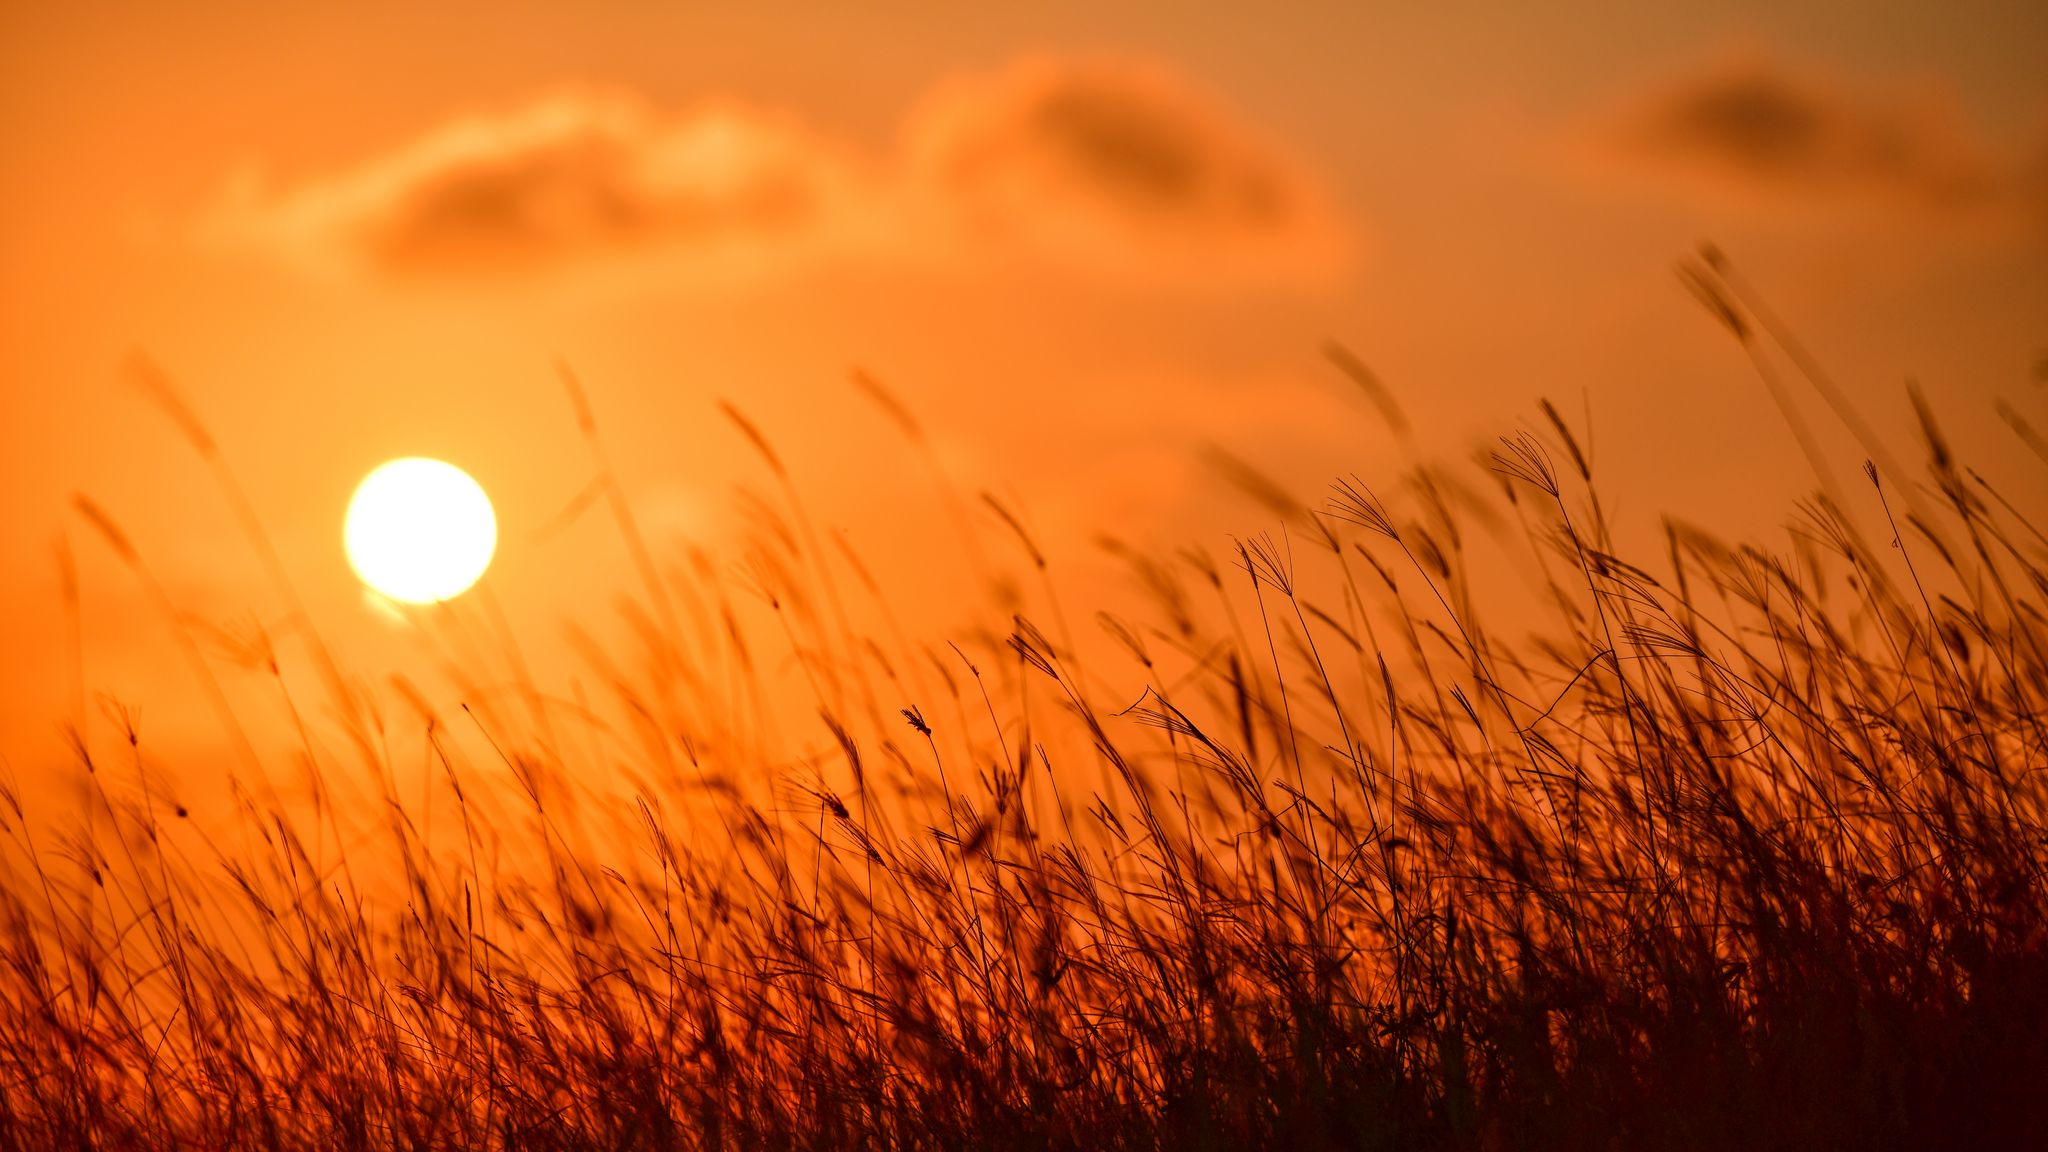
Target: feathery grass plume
{"points": [[754, 437], [2021, 428], [1016, 526], [1354, 503], [1347, 362], [1582, 461], [1267, 492], [897, 411]]}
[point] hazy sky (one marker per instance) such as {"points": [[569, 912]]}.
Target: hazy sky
{"points": [[1082, 241]]}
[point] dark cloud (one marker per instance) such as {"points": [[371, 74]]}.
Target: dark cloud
{"points": [[1111, 164], [1123, 161], [1754, 130], [557, 180], [537, 204]]}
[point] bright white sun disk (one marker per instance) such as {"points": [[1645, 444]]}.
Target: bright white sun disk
{"points": [[420, 530]]}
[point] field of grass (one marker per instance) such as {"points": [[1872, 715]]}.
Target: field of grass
{"points": [[1712, 848]]}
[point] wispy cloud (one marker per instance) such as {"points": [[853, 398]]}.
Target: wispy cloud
{"points": [[1753, 132], [1112, 165], [567, 177], [1123, 165]]}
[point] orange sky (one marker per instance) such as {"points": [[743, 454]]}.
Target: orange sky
{"points": [[1081, 242]]}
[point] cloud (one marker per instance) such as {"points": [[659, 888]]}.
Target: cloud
{"points": [[1109, 165], [1119, 163], [563, 178], [1749, 131]]}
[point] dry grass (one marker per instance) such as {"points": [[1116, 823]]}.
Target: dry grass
{"points": [[1721, 849]]}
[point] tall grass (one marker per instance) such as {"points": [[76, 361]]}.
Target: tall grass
{"points": [[1717, 848]]}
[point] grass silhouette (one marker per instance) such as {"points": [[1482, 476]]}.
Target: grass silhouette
{"points": [[1724, 848]]}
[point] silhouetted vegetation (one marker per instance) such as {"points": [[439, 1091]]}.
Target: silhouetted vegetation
{"points": [[1716, 848]]}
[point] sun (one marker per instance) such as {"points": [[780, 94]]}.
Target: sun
{"points": [[420, 530]]}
